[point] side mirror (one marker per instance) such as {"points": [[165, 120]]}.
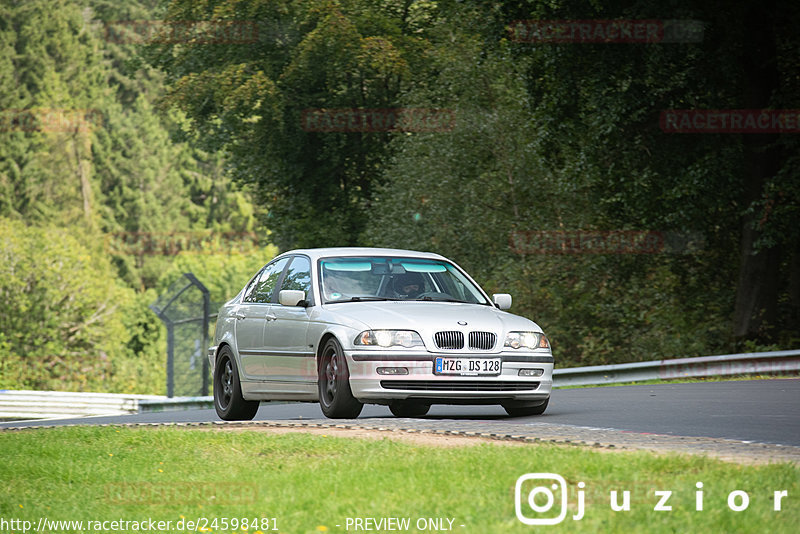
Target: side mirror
{"points": [[292, 297], [502, 300]]}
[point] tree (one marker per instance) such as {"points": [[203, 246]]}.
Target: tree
{"points": [[567, 137], [249, 99], [86, 160], [60, 323], [82, 142], [735, 189], [46, 103]]}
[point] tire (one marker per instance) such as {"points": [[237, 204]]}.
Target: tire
{"points": [[228, 400], [335, 396], [522, 409], [406, 408]]}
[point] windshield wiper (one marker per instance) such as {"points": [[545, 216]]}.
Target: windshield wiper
{"points": [[364, 298]]}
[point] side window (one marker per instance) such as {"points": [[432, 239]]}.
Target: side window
{"points": [[248, 293], [261, 289], [298, 276]]}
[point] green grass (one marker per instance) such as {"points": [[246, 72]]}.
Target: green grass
{"points": [[312, 483]]}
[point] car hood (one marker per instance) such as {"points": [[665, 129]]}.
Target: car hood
{"points": [[430, 316]]}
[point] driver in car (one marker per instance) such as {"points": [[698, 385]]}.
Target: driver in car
{"points": [[333, 284], [409, 285]]}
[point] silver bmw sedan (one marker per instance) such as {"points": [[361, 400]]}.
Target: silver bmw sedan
{"points": [[349, 326]]}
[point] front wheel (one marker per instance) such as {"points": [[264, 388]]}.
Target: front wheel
{"points": [[228, 400], [522, 409], [335, 396]]}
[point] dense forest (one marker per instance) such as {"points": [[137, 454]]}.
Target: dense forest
{"points": [[143, 139]]}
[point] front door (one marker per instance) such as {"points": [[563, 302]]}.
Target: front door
{"points": [[291, 360], [252, 319]]}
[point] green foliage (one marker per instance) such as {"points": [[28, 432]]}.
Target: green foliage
{"points": [[9, 364], [734, 190], [60, 323], [566, 137], [223, 273], [119, 170], [70, 325], [249, 100], [50, 66], [114, 174], [201, 139], [139, 366]]}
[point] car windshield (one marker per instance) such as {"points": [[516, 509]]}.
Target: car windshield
{"points": [[354, 279]]}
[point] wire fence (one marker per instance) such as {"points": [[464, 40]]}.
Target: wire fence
{"points": [[184, 309]]}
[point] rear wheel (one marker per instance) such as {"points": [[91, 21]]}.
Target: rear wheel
{"points": [[405, 408], [228, 400], [335, 396], [521, 409]]}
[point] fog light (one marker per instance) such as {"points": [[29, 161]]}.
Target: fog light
{"points": [[392, 371], [531, 372]]}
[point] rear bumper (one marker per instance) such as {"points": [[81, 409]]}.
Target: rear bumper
{"points": [[369, 386]]}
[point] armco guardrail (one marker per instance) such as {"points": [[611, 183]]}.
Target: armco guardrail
{"points": [[55, 404], [778, 362], [20, 404]]}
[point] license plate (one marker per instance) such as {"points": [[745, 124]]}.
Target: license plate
{"points": [[467, 366]]}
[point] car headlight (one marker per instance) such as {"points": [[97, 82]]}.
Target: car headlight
{"points": [[526, 340], [389, 338]]}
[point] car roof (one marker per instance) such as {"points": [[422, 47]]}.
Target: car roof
{"points": [[316, 253]]}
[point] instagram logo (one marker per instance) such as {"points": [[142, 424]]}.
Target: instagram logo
{"points": [[535, 495]]}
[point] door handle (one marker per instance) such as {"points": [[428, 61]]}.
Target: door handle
{"points": [[239, 315], [271, 317]]}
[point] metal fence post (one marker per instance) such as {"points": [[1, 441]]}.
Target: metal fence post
{"points": [[170, 359]]}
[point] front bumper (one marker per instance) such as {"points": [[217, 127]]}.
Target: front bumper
{"points": [[422, 384], [212, 357]]}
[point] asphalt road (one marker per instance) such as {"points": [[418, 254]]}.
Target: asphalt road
{"points": [[763, 411]]}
